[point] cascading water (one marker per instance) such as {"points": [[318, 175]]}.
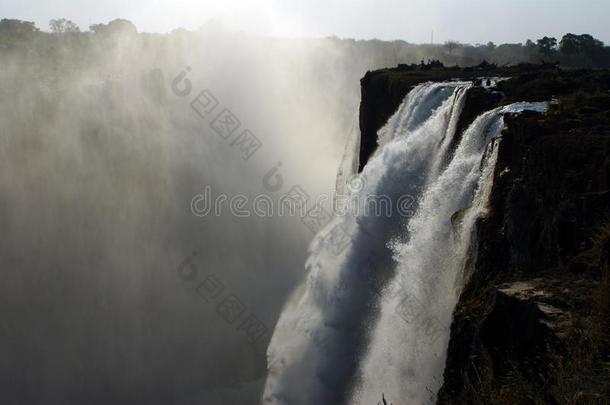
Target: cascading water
{"points": [[406, 354], [374, 312]]}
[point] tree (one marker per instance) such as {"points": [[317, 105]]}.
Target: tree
{"points": [[547, 45], [451, 45], [575, 44], [17, 28], [115, 27], [570, 44], [590, 45], [586, 48], [490, 46], [62, 25]]}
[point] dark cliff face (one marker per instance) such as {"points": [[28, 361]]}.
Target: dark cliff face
{"points": [[383, 91], [538, 296], [533, 322], [381, 96]]}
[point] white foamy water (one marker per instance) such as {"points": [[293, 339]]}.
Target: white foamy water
{"points": [[406, 354], [374, 312]]}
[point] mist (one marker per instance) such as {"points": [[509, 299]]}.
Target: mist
{"points": [[116, 289], [106, 269]]}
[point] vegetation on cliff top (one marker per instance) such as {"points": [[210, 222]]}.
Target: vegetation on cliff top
{"points": [[570, 51]]}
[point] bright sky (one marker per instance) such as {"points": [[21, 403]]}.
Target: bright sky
{"points": [[471, 21]]}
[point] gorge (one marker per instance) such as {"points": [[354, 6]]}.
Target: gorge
{"points": [[482, 294]]}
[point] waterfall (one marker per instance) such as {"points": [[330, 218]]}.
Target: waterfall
{"points": [[374, 312], [406, 354]]}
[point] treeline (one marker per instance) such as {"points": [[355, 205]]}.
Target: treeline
{"points": [[23, 37]]}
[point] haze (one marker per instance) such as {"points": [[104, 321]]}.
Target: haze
{"points": [[501, 21]]}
